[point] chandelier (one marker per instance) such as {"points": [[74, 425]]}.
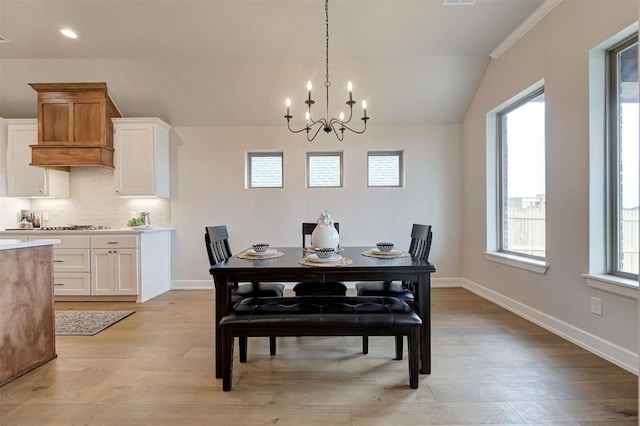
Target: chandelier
{"points": [[335, 125]]}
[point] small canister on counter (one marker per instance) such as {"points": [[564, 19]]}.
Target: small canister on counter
{"points": [[146, 219]]}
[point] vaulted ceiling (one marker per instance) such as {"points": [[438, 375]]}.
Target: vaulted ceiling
{"points": [[233, 62]]}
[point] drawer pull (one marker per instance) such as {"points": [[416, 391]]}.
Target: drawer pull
{"points": [[112, 242], [58, 261], [58, 283]]}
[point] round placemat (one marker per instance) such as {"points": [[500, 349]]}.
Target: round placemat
{"points": [[342, 262]]}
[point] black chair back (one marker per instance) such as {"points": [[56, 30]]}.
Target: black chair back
{"points": [[421, 237], [217, 241], [307, 230]]}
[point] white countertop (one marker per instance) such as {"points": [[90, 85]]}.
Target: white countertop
{"points": [[17, 244], [40, 233]]}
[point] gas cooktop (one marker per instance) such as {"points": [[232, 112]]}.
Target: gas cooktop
{"points": [[74, 228]]}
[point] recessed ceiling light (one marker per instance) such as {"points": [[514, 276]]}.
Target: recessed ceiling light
{"points": [[458, 2], [68, 33]]}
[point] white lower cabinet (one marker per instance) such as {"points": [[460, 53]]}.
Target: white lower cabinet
{"points": [[71, 266], [114, 272], [71, 284], [117, 266], [114, 265]]}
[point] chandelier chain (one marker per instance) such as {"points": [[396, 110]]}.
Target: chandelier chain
{"points": [[326, 14]]}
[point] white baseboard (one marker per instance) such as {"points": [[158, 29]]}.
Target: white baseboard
{"points": [[192, 284], [603, 348], [611, 352]]}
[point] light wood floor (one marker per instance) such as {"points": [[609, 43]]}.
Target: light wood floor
{"points": [[156, 368]]}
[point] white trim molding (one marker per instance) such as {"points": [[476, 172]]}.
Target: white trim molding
{"points": [[618, 355], [526, 26], [192, 284], [613, 284], [520, 262]]}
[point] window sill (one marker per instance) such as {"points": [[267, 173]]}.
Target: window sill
{"points": [[612, 284], [531, 265]]}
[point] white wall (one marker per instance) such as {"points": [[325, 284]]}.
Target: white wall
{"points": [[556, 50], [208, 189]]}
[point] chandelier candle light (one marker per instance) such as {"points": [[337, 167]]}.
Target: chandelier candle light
{"points": [[335, 125]]}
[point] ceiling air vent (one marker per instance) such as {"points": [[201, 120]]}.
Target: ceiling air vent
{"points": [[3, 39], [458, 2]]}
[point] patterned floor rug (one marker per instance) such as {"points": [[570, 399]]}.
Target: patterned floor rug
{"points": [[86, 323]]}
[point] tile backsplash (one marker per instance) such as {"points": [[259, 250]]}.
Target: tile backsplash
{"points": [[93, 201]]}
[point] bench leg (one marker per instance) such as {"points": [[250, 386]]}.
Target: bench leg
{"points": [[414, 355], [272, 345], [242, 344], [227, 359], [399, 344], [365, 344]]}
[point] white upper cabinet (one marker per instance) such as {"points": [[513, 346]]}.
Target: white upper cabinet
{"points": [[24, 180], [141, 157]]}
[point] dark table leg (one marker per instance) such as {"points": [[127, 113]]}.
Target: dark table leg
{"points": [[221, 284], [424, 309]]}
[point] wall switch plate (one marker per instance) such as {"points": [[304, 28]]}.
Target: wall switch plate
{"points": [[45, 216], [596, 306]]}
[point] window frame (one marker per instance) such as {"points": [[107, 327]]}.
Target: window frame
{"points": [[612, 159], [310, 154], [249, 162], [499, 217], [379, 153]]}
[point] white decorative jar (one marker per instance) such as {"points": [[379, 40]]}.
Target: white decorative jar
{"points": [[325, 234]]}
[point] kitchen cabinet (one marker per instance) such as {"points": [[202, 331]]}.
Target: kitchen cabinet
{"points": [[74, 125], [114, 265], [114, 272], [24, 180], [71, 275], [141, 157], [108, 265]]}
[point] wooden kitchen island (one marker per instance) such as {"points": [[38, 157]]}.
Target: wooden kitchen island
{"points": [[27, 324]]}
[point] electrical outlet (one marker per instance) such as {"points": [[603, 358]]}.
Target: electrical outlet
{"points": [[45, 216], [596, 306]]}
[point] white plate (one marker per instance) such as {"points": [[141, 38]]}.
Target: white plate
{"points": [[393, 251], [314, 258], [268, 252]]}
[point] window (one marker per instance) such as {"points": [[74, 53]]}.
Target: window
{"points": [[324, 169], [622, 159], [521, 177], [264, 170], [384, 168]]}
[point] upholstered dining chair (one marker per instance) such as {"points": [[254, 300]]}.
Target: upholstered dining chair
{"points": [[420, 247], [218, 249], [315, 288]]}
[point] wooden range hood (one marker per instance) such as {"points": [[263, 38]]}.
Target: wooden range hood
{"points": [[74, 125]]}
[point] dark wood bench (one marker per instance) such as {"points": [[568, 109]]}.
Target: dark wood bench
{"points": [[320, 316]]}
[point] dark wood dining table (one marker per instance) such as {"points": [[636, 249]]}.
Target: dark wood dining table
{"points": [[288, 269]]}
